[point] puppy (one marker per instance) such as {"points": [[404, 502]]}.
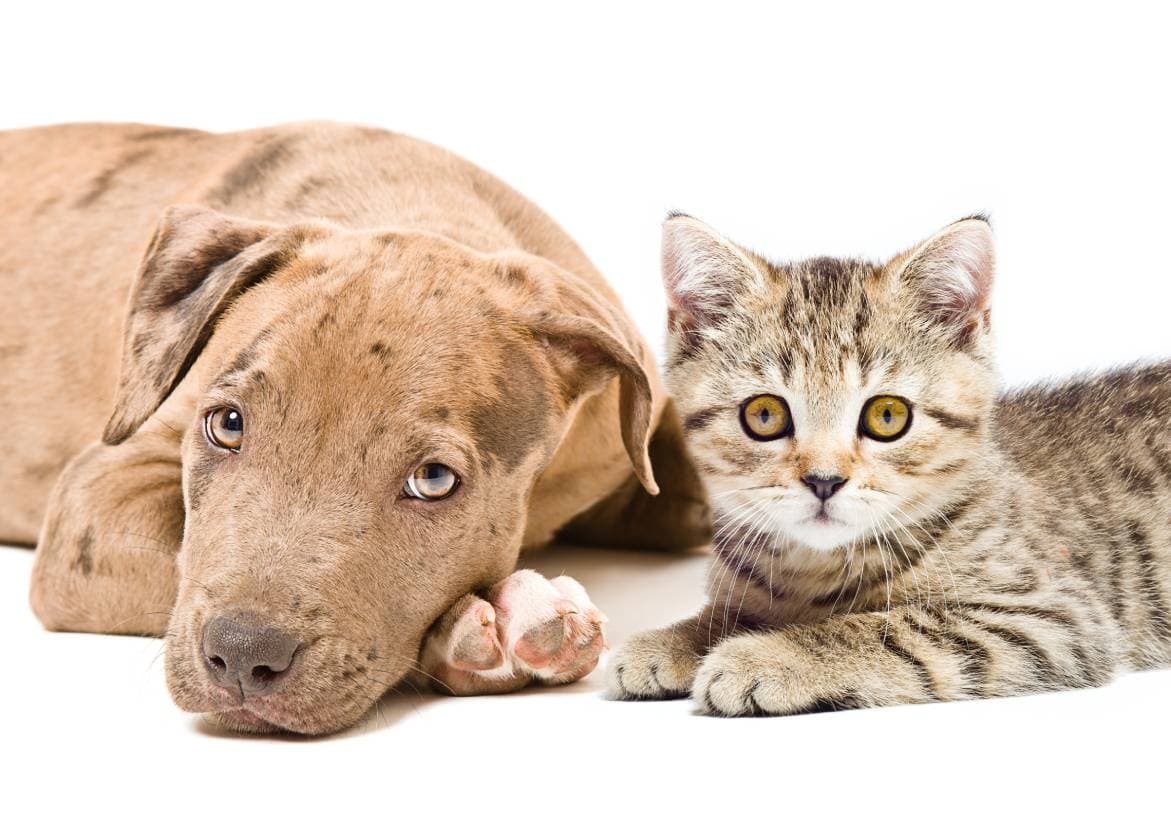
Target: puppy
{"points": [[297, 398]]}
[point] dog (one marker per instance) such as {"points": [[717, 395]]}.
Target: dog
{"points": [[297, 398]]}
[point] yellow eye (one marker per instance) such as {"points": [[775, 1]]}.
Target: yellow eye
{"points": [[224, 428], [766, 417], [431, 481], [886, 418]]}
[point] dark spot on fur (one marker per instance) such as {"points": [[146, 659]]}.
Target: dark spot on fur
{"points": [[101, 184], [199, 476], [47, 204], [254, 169], [323, 322], [84, 564], [307, 187], [161, 134], [380, 349], [509, 426], [512, 275], [240, 364]]}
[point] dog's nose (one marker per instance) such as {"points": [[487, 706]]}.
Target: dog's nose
{"points": [[823, 487], [242, 655]]}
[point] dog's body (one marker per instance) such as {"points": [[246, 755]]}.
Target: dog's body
{"points": [[361, 290]]}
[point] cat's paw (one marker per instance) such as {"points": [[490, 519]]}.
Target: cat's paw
{"points": [[757, 675], [528, 628], [654, 664]]}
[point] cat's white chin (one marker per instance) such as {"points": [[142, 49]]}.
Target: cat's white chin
{"points": [[822, 532]]}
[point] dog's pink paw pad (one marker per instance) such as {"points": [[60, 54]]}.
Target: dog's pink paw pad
{"points": [[475, 646], [537, 646], [527, 628], [553, 630]]}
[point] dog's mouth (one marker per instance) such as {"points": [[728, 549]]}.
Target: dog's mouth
{"points": [[255, 714], [244, 721], [330, 684]]}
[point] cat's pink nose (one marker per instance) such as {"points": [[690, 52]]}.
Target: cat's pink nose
{"points": [[823, 487]]}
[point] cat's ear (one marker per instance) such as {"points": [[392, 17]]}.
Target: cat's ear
{"points": [[704, 274], [950, 276]]}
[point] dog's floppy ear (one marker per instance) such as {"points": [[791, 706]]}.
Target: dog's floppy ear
{"points": [[592, 340], [198, 262]]}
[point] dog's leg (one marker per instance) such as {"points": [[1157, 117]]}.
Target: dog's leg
{"points": [[526, 628], [106, 558], [675, 519]]}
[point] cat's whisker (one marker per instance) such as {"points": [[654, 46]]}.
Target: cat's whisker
{"points": [[746, 583], [943, 553], [890, 518], [736, 518], [751, 537]]}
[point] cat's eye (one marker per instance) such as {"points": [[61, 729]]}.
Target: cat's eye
{"points": [[765, 418], [224, 428], [431, 481], [885, 418]]}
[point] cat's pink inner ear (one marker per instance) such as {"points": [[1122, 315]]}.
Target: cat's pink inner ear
{"points": [[703, 273], [952, 273]]}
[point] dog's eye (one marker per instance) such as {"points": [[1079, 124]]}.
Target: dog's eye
{"points": [[431, 481], [224, 428], [766, 418], [885, 418]]}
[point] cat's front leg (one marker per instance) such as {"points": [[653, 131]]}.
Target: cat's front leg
{"points": [[807, 669], [661, 663], [908, 655]]}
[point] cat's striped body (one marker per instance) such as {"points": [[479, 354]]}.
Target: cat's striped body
{"points": [[1004, 545]]}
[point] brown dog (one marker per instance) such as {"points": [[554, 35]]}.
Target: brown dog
{"points": [[355, 377]]}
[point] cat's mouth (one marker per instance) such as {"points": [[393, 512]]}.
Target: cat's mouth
{"points": [[823, 518]]}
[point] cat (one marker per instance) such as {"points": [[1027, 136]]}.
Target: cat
{"points": [[891, 529]]}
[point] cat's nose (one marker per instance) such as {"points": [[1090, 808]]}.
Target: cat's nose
{"points": [[823, 487]]}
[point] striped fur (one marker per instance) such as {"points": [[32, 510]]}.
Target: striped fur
{"points": [[1009, 543]]}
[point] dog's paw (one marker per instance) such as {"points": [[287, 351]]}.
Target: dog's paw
{"points": [[654, 664], [528, 628]]}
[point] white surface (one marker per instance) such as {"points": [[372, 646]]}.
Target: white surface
{"points": [[92, 738], [842, 130]]}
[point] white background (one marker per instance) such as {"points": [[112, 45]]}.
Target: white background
{"points": [[801, 130]]}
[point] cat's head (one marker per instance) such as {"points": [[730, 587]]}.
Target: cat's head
{"points": [[828, 400]]}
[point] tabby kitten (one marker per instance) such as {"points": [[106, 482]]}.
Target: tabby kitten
{"points": [[889, 528]]}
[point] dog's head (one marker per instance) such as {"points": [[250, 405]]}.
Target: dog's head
{"points": [[364, 417]]}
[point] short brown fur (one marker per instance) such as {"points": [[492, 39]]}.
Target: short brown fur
{"points": [[371, 301]]}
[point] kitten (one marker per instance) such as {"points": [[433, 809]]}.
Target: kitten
{"points": [[889, 529]]}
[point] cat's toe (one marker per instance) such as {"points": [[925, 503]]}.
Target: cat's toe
{"points": [[744, 676], [653, 664]]}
